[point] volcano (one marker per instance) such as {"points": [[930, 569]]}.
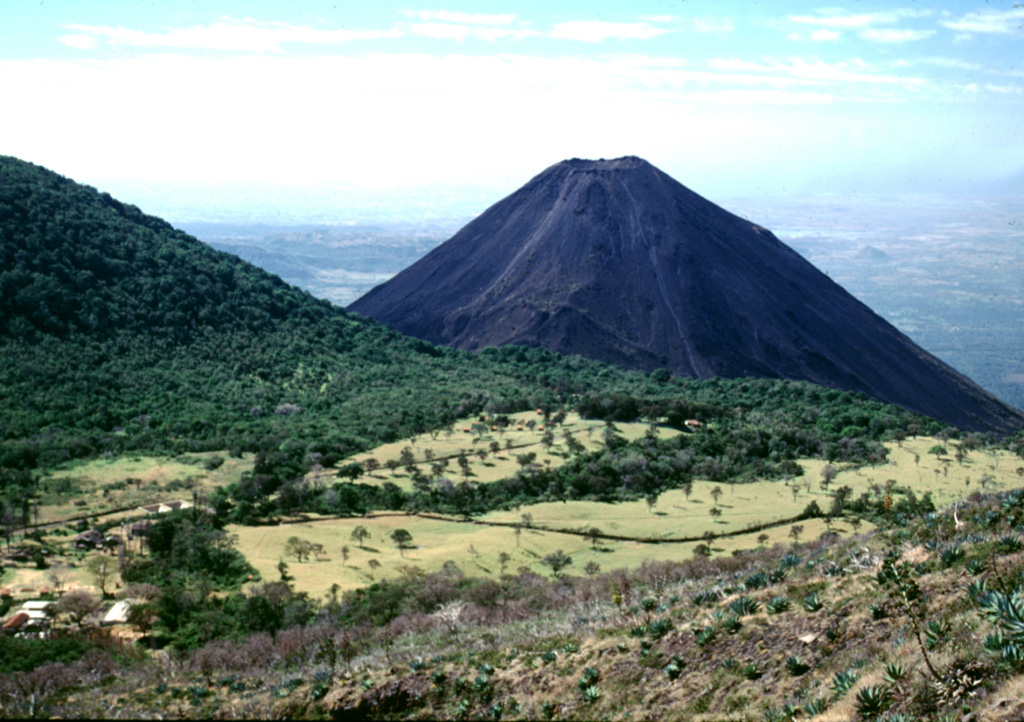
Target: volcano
{"points": [[617, 261]]}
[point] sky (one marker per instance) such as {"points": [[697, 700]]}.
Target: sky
{"points": [[224, 109]]}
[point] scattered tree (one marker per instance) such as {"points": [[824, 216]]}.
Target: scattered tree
{"points": [[78, 604], [298, 548], [716, 493], [101, 570], [360, 535], [558, 561], [795, 531], [374, 566], [402, 539]]}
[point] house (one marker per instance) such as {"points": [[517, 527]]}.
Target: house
{"points": [[118, 614], [139, 528], [165, 506], [691, 423], [15, 623], [88, 540], [31, 620]]}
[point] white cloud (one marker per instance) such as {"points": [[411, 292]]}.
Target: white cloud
{"points": [[824, 35], [460, 32], [1003, 89], [80, 42], [836, 20], [595, 31], [999, 22], [891, 35], [462, 18], [231, 35], [711, 26]]}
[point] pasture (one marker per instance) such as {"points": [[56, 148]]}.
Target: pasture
{"points": [[476, 547], [471, 437], [99, 486]]}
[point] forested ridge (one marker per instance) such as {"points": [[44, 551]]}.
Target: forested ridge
{"points": [[119, 332]]}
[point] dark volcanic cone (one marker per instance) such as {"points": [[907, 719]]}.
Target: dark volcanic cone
{"points": [[617, 261]]}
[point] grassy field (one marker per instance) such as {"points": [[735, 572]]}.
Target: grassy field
{"points": [[475, 548], [428, 449], [101, 485]]}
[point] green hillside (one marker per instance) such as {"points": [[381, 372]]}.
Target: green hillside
{"points": [[119, 332]]}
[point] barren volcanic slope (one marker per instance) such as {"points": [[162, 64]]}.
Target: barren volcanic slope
{"points": [[615, 260]]}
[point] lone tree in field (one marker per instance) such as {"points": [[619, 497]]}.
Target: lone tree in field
{"points": [[344, 554], [503, 559], [101, 570], [716, 493], [828, 473], [359, 535], [557, 561], [652, 501], [762, 539], [298, 548], [715, 513], [594, 535], [795, 531], [402, 539], [374, 566]]}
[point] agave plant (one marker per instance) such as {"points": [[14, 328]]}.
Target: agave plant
{"points": [[843, 682], [976, 567], [895, 673], [743, 606], [777, 605], [758, 580], [936, 632], [589, 678], [813, 603], [1009, 545], [673, 670], [872, 701], [815, 706], [704, 635], [1007, 612], [732, 624], [953, 555], [706, 597], [751, 671], [591, 694], [659, 628], [796, 666]]}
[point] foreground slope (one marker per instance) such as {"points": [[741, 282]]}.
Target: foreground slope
{"points": [[617, 261]]}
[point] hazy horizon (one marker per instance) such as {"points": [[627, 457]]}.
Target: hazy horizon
{"points": [[319, 111]]}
